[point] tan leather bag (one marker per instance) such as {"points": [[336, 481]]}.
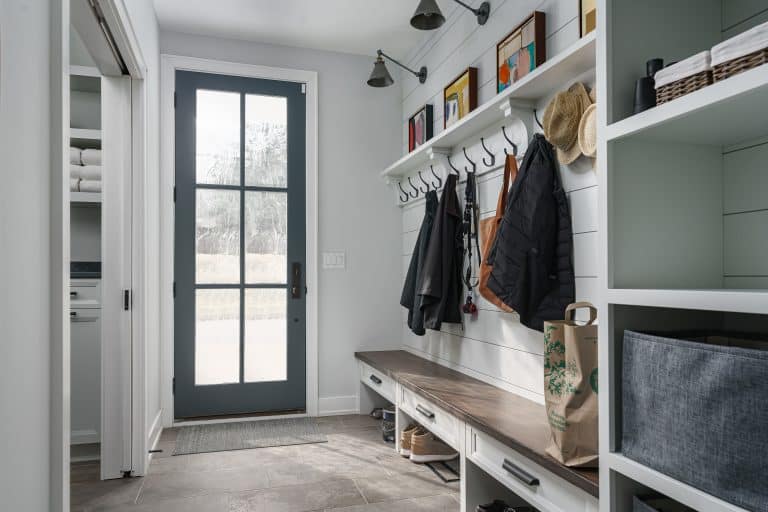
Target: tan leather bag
{"points": [[488, 229]]}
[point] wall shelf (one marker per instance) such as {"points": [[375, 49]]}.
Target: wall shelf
{"points": [[85, 134], [721, 114], [553, 75], [85, 197], [675, 489], [736, 301]]}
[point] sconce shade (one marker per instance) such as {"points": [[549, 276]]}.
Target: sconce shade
{"points": [[427, 16], [380, 76]]}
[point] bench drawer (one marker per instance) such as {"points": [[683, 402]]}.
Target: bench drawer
{"points": [[441, 423], [541, 488], [377, 381]]}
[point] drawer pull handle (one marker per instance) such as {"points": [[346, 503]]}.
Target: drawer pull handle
{"points": [[72, 314], [425, 412], [375, 379], [519, 473], [73, 294]]}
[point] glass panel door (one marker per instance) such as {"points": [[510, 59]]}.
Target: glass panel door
{"points": [[240, 246]]}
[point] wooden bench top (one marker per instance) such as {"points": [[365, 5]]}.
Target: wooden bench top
{"points": [[515, 421]]}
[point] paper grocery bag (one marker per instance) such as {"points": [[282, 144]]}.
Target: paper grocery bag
{"points": [[570, 387]]}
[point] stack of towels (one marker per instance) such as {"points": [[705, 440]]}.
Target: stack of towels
{"points": [[84, 170]]}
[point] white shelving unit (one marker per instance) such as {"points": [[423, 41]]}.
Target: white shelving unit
{"points": [[681, 220], [85, 197], [544, 81], [85, 134]]}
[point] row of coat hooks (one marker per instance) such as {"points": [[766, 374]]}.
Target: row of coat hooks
{"points": [[423, 188]]}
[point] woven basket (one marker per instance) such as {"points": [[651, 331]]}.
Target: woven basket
{"points": [[683, 86], [736, 66]]}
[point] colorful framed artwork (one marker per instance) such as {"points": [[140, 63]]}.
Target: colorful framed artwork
{"points": [[420, 127], [588, 16], [460, 97], [521, 51]]}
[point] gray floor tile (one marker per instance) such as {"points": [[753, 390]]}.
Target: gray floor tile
{"points": [[403, 486], [442, 503], [298, 498], [166, 486], [85, 496], [205, 503]]}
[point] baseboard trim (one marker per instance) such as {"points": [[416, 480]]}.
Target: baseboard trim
{"points": [[84, 437], [338, 405]]}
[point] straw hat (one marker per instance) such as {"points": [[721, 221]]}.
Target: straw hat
{"points": [[588, 129], [561, 121]]}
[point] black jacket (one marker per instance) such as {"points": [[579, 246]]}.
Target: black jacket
{"points": [[532, 256], [409, 298], [440, 284]]}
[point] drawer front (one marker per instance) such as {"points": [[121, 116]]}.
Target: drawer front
{"points": [[85, 290], [377, 381], [441, 423], [541, 488]]}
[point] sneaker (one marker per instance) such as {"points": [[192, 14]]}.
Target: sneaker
{"points": [[425, 447], [405, 438], [496, 506]]}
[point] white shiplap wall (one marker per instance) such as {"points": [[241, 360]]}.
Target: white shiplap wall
{"points": [[495, 347]]}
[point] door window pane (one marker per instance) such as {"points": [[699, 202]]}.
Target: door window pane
{"points": [[266, 147], [217, 236], [266, 237], [217, 142], [266, 345], [217, 337]]}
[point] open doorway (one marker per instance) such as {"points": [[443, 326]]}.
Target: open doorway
{"points": [[106, 410]]}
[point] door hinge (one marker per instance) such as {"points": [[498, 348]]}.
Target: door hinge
{"points": [[174, 193], [174, 99], [303, 88], [174, 289], [126, 300], [173, 386]]}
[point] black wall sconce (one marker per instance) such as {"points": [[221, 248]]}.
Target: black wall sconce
{"points": [[429, 17], [380, 76]]}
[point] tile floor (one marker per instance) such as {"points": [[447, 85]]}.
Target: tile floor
{"points": [[355, 471]]}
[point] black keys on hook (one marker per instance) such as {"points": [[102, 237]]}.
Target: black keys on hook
{"points": [[416, 191], [439, 179], [473, 164], [403, 194], [493, 157], [423, 191], [514, 146]]}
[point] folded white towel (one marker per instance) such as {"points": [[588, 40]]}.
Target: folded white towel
{"points": [[743, 44], [91, 157], [683, 69], [74, 156], [74, 184], [75, 170], [90, 185], [90, 172]]}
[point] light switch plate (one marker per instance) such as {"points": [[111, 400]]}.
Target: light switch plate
{"points": [[334, 260]]}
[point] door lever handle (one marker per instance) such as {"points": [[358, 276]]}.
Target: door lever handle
{"points": [[296, 281]]}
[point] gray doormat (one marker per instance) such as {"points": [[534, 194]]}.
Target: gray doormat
{"points": [[220, 437]]}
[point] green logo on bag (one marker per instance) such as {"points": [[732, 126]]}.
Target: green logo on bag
{"points": [[593, 380]]}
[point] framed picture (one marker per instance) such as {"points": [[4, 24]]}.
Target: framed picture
{"points": [[521, 51], [587, 16], [460, 97], [420, 127]]}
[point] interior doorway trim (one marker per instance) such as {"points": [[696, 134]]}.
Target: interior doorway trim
{"points": [[169, 64]]}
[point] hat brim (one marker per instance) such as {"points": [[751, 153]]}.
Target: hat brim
{"points": [[588, 139], [570, 155]]}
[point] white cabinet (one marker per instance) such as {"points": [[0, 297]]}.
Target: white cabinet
{"points": [[85, 361]]}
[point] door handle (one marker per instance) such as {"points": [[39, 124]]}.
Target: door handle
{"points": [[519, 473], [425, 412], [296, 281], [375, 379]]}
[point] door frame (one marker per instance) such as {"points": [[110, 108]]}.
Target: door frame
{"points": [[169, 64]]}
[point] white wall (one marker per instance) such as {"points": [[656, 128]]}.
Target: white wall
{"points": [[496, 347], [358, 136], [25, 196], [144, 22]]}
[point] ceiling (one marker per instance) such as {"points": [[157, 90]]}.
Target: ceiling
{"points": [[348, 26]]}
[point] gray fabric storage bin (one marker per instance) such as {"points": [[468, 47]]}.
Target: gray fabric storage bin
{"points": [[698, 411], [657, 503]]}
